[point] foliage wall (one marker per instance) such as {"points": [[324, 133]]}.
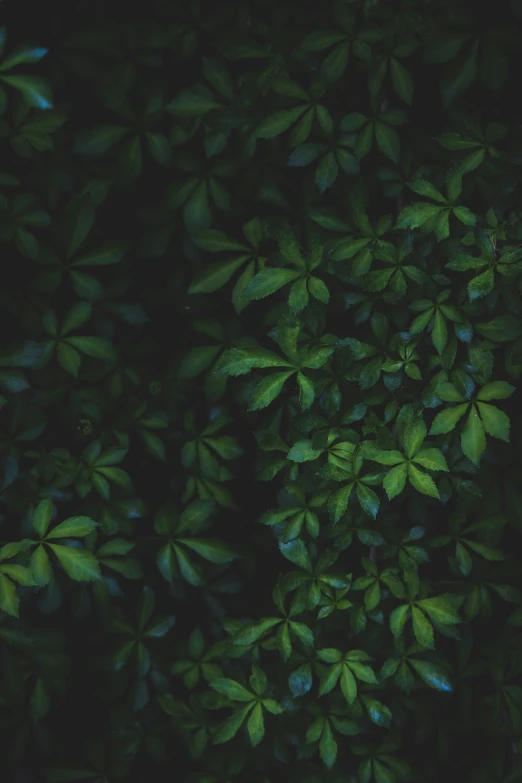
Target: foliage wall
{"points": [[261, 509]]}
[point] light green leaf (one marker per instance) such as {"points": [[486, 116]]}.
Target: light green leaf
{"points": [[338, 502], [268, 389], [74, 527], [348, 685], [40, 566], [256, 726], [302, 451], [447, 420], [440, 609], [422, 482], [414, 438], [231, 726], [395, 480], [306, 391], [398, 619], [79, 564], [232, 690], [432, 459], [42, 516], [327, 746], [473, 438], [423, 629], [496, 390], [368, 499], [481, 285], [495, 421], [9, 599]]}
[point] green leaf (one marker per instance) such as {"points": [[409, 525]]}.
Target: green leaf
{"points": [[423, 629], [327, 746], [74, 527], [268, 389], [191, 104], [447, 420], [322, 39], [422, 482], [196, 212], [398, 619], [495, 421], [78, 315], [35, 90], [473, 438], [97, 347], [439, 332], [252, 632], [9, 599], [414, 438], [368, 499], [268, 281], [388, 141], [278, 122], [432, 459], [432, 675], [303, 451], [348, 685], [440, 609], [231, 726], [425, 188], [98, 141], [402, 81], [377, 712], [40, 566], [215, 275], [395, 480], [481, 285], [256, 726], [196, 360], [211, 549], [338, 502], [416, 215], [326, 172], [68, 358], [296, 552], [231, 689], [42, 516], [496, 390], [79, 564], [306, 391], [330, 679]]}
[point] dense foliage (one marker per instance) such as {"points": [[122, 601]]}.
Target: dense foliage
{"points": [[261, 510]]}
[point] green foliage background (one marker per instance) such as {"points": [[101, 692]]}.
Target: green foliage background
{"points": [[261, 511]]}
